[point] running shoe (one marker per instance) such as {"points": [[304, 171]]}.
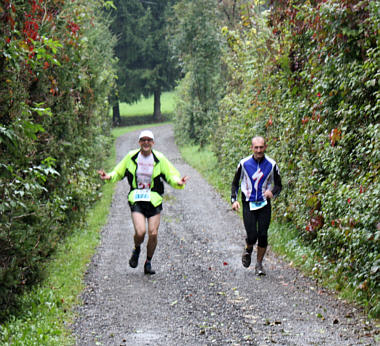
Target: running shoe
{"points": [[134, 260], [246, 258], [259, 270], [148, 268]]}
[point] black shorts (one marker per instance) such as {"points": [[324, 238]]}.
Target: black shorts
{"points": [[145, 208]]}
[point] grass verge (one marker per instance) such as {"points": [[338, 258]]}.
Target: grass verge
{"points": [[47, 310]]}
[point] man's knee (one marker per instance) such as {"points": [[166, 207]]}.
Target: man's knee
{"points": [[140, 232], [138, 237], [153, 233], [263, 241], [251, 239]]}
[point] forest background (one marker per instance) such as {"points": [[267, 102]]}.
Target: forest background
{"points": [[304, 74]]}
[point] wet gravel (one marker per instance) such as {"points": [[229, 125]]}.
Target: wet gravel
{"points": [[201, 294]]}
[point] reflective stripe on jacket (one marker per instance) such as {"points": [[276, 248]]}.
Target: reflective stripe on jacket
{"points": [[162, 170]]}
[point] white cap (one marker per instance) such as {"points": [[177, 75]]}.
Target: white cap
{"points": [[146, 133]]}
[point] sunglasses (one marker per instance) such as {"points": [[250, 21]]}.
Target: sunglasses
{"points": [[146, 140]]}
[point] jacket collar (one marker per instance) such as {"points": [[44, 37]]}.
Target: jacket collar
{"points": [[134, 157], [259, 161]]}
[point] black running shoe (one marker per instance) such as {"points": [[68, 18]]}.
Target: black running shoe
{"points": [[148, 268], [246, 258], [259, 270], [134, 260]]}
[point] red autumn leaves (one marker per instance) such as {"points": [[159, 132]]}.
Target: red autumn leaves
{"points": [[335, 134], [34, 17]]}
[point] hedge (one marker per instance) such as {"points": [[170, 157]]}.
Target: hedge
{"points": [[306, 76], [56, 73]]}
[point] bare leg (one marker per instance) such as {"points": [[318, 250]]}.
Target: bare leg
{"points": [[139, 224], [153, 224], [260, 253], [260, 256]]}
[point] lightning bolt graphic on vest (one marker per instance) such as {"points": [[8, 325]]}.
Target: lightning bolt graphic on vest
{"points": [[257, 177]]}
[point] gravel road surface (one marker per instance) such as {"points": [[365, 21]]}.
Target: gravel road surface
{"points": [[201, 294]]}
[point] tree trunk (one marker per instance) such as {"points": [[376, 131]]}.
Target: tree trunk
{"points": [[116, 114], [157, 105]]}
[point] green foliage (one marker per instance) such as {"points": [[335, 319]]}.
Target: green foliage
{"points": [[308, 81], [196, 42], [45, 310], [247, 107], [56, 76]]}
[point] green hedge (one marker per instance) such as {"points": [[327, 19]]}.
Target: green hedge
{"points": [[56, 73], [309, 82]]}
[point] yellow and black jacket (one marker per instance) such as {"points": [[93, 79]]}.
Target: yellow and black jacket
{"points": [[162, 170]]}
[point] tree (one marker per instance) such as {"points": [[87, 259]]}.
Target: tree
{"points": [[196, 41], [145, 67]]}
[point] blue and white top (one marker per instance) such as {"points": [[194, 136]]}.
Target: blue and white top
{"points": [[256, 177]]}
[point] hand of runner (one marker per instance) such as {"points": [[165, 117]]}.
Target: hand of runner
{"points": [[103, 175], [183, 180], [268, 194], [236, 206]]}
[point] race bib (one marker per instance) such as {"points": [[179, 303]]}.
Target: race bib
{"points": [[257, 205], [141, 195]]}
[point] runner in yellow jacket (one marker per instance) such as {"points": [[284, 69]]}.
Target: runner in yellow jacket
{"points": [[145, 169]]}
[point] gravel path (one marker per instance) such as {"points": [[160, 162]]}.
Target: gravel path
{"points": [[201, 294]]}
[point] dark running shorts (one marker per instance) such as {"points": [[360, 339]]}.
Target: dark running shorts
{"points": [[146, 208]]}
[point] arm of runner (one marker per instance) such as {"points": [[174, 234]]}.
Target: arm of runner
{"points": [[277, 182], [235, 188], [118, 172], [172, 175]]}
